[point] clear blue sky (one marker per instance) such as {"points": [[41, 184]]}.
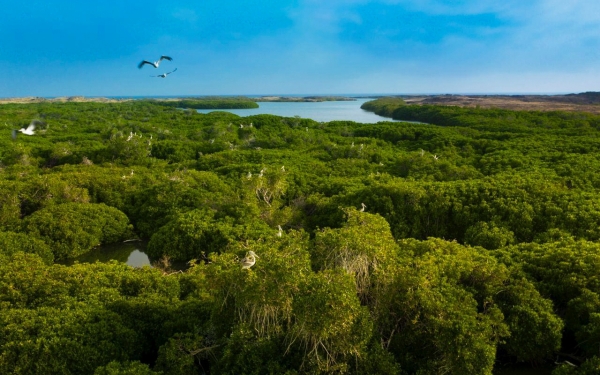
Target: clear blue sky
{"points": [[221, 47]]}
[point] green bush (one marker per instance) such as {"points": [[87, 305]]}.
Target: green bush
{"points": [[72, 229], [11, 243]]}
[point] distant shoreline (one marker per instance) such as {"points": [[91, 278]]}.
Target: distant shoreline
{"points": [[582, 102], [93, 99]]}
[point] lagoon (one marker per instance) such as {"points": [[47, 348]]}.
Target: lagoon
{"points": [[318, 111]]}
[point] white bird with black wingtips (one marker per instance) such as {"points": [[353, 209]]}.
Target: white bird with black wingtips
{"points": [[164, 75], [156, 63]]}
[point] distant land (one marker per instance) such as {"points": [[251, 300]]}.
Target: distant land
{"points": [[82, 99], [586, 101], [302, 98]]}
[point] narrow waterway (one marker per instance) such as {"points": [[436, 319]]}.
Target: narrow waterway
{"points": [[318, 111]]}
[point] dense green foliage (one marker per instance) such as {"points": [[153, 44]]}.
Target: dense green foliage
{"points": [[210, 103], [478, 247]]}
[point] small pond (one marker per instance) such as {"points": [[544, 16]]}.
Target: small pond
{"points": [[132, 253]]}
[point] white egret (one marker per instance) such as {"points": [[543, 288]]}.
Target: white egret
{"points": [[249, 175], [249, 260], [436, 157], [154, 64], [283, 168], [363, 207], [280, 233], [422, 152], [164, 75]]}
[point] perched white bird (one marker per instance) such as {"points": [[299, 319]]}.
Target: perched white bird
{"points": [[249, 175], [363, 207], [436, 157], [283, 168], [164, 75], [422, 152], [280, 233], [154, 64], [249, 260]]}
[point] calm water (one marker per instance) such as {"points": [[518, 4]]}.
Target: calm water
{"points": [[131, 253], [318, 111]]}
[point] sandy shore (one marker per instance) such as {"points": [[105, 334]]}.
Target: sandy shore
{"points": [[62, 99]]}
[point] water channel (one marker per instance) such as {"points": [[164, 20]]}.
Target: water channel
{"points": [[319, 111]]}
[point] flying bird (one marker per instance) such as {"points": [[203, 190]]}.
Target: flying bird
{"points": [[29, 130], [248, 260], [154, 64], [164, 75]]}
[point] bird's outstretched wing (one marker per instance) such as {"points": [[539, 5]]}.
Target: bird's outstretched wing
{"points": [[172, 71], [144, 62], [32, 125], [165, 58]]}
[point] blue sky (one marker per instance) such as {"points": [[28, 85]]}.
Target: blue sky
{"points": [[261, 47]]}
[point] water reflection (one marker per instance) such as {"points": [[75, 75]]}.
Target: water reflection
{"points": [[130, 253], [318, 111], [138, 258]]}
